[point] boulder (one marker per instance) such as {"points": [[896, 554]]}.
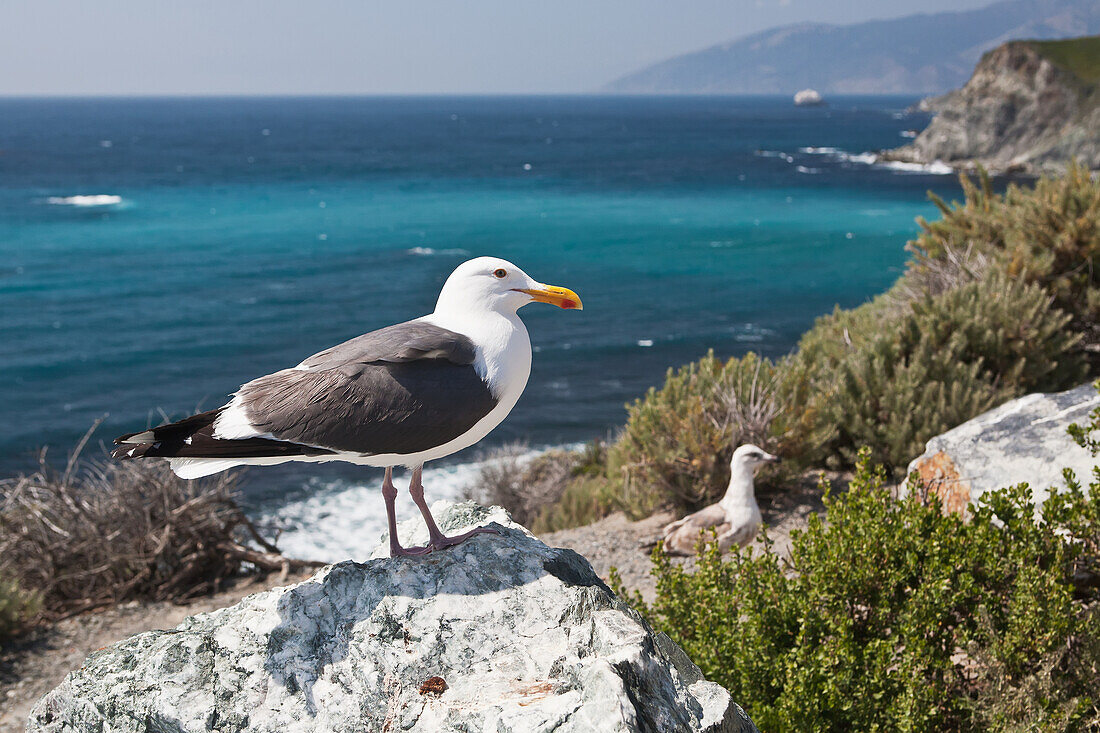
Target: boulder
{"points": [[500, 633], [1022, 440], [808, 98]]}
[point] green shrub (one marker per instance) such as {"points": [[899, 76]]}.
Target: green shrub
{"points": [[1048, 234], [676, 447], [893, 383], [891, 615], [17, 608], [585, 499]]}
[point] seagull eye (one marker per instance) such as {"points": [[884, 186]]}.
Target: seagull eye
{"points": [[501, 273]]}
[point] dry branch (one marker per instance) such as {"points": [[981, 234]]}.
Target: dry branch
{"points": [[100, 533]]}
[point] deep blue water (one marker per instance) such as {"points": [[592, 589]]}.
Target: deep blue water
{"points": [[250, 233]]}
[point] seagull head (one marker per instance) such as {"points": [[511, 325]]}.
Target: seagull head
{"points": [[490, 283], [751, 456]]}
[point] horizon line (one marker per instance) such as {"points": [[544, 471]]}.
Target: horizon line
{"points": [[424, 95]]}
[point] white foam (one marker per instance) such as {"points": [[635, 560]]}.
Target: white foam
{"points": [[808, 171], [99, 199], [430, 251], [342, 520], [819, 151], [861, 158], [936, 168]]}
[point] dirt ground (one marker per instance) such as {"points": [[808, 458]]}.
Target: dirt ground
{"points": [[39, 663], [617, 542]]}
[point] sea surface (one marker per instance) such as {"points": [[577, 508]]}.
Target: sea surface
{"points": [[156, 253]]}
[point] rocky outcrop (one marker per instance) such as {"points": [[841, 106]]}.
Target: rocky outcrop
{"points": [[1029, 107], [501, 633], [1022, 440]]}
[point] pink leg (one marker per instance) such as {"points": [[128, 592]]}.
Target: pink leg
{"points": [[438, 540], [389, 493]]}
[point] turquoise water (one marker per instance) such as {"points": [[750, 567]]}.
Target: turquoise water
{"points": [[236, 237]]}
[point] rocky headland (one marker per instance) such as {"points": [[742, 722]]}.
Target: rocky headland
{"points": [[1030, 107]]}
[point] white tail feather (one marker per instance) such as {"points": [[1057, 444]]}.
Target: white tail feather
{"points": [[199, 467]]}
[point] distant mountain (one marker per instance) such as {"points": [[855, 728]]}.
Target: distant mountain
{"points": [[918, 54]]}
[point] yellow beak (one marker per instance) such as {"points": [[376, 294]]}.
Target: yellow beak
{"points": [[561, 297]]}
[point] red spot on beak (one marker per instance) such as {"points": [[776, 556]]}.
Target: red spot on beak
{"points": [[569, 304]]}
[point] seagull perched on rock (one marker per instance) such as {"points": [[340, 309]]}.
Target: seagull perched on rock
{"points": [[399, 396], [736, 517]]}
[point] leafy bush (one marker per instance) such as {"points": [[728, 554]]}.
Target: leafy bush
{"points": [[676, 447], [584, 500], [17, 608], [891, 615], [83, 539], [893, 383], [1048, 234]]}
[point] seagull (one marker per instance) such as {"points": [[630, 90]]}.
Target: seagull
{"points": [[399, 396], [736, 517]]}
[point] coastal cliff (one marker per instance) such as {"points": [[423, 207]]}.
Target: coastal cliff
{"points": [[1030, 107]]}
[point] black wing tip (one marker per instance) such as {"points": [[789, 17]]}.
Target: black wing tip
{"points": [[130, 451], [121, 440]]}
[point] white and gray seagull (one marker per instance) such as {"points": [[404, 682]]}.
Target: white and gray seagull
{"points": [[736, 518], [399, 396]]}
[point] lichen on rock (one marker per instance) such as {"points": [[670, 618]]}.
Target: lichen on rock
{"points": [[500, 633]]}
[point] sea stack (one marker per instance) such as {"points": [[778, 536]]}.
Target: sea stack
{"points": [[808, 98]]}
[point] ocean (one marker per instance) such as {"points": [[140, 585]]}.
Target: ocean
{"points": [[156, 253]]}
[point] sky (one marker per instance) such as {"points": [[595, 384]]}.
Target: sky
{"points": [[186, 47]]}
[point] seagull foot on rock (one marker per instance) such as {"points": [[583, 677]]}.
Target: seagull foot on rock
{"points": [[441, 541], [397, 550]]}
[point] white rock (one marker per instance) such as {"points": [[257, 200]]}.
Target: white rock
{"points": [[1022, 440], [808, 98], [525, 638]]}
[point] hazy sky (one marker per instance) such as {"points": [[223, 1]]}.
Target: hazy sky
{"points": [[373, 47]]}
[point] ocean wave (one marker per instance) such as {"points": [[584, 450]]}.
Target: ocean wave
{"points": [[937, 168], [774, 154], [819, 151], [808, 171], [751, 333], [860, 158], [431, 251], [98, 199], [341, 519]]}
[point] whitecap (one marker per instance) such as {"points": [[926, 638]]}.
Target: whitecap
{"points": [[645, 343], [936, 168], [751, 333], [430, 251], [861, 158], [808, 171], [819, 151], [98, 199]]}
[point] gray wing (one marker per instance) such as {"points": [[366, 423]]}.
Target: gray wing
{"points": [[403, 342], [402, 389]]}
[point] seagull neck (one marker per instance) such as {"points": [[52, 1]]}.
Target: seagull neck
{"points": [[740, 491], [504, 348]]}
